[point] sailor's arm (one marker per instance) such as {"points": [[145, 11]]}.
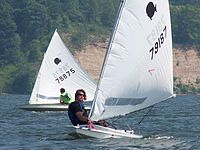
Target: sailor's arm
{"points": [[82, 118]]}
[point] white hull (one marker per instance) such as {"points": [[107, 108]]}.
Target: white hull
{"points": [[47, 107], [105, 132]]}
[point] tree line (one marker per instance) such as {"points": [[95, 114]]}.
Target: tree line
{"points": [[26, 27]]}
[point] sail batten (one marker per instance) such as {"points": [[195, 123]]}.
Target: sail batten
{"points": [[137, 71]]}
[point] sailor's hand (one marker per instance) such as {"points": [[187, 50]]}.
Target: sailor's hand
{"points": [[89, 121], [90, 124]]}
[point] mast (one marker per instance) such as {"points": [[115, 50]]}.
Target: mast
{"points": [[120, 9]]}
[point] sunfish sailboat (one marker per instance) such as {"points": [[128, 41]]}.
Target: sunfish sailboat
{"points": [[137, 70], [58, 70]]}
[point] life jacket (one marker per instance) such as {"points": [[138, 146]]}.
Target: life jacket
{"points": [[72, 115], [65, 98]]}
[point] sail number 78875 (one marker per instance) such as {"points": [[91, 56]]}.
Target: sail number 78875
{"points": [[65, 75], [158, 43]]}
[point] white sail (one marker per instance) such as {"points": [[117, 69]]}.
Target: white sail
{"points": [[137, 71], [59, 70]]}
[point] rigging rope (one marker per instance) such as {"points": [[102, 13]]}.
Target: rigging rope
{"points": [[137, 124], [112, 123]]}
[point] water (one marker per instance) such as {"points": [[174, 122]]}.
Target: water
{"points": [[173, 124]]}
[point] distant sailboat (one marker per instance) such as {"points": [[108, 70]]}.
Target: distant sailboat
{"points": [[137, 71], [58, 70]]}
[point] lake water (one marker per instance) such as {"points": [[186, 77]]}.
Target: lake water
{"points": [[173, 124]]}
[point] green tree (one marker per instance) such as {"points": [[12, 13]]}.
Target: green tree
{"points": [[185, 24], [90, 9], [108, 13], [79, 38], [54, 10], [73, 10], [21, 84], [34, 51], [32, 20], [9, 40]]}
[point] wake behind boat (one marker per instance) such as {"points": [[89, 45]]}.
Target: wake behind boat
{"points": [[137, 72], [58, 70]]}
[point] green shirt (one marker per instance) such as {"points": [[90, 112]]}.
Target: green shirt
{"points": [[65, 98]]}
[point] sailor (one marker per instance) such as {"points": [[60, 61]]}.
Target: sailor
{"points": [[76, 111], [65, 98]]}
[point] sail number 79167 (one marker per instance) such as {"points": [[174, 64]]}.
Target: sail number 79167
{"points": [[158, 43]]}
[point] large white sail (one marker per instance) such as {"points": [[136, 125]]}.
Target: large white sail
{"points": [[59, 70], [137, 71]]}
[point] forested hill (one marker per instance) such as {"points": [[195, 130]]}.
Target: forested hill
{"points": [[185, 2], [26, 27]]}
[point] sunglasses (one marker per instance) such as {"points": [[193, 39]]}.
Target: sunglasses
{"points": [[81, 94]]}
